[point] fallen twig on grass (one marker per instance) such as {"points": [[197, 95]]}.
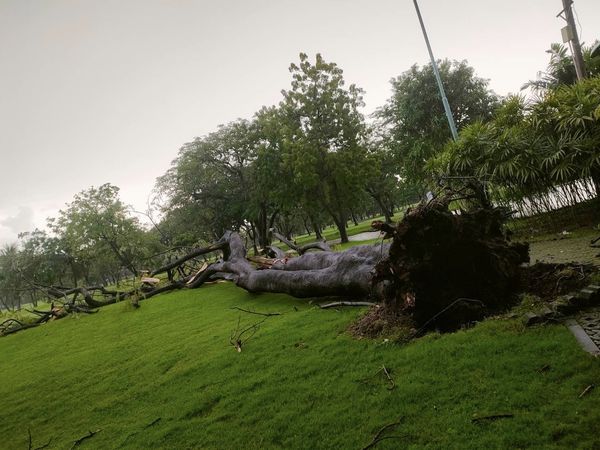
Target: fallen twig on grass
{"points": [[236, 338], [492, 417], [544, 368], [41, 447], [83, 438], [256, 312], [154, 422], [387, 374], [378, 436], [10, 326], [389, 377], [334, 304], [587, 390]]}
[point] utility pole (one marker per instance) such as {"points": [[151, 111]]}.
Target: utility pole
{"points": [[438, 77], [569, 34]]}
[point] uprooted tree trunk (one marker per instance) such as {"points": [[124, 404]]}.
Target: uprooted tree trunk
{"points": [[441, 269]]}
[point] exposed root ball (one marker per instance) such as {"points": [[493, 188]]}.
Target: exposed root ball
{"points": [[438, 257]]}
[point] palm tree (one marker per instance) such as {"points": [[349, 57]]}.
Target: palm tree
{"points": [[561, 70]]}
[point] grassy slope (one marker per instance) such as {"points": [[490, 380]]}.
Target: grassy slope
{"points": [[294, 385]]}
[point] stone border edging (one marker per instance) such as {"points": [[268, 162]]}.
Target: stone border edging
{"points": [[582, 337]]}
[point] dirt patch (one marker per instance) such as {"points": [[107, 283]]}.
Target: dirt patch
{"points": [[548, 281], [377, 322]]}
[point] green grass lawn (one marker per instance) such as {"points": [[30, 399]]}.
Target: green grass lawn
{"points": [[296, 384]]}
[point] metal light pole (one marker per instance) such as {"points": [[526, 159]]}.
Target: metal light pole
{"points": [[569, 34], [437, 77]]}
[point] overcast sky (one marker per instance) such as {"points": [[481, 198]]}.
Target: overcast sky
{"points": [[96, 91]]}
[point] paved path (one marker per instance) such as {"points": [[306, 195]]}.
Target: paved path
{"points": [[590, 322], [561, 250], [365, 236]]}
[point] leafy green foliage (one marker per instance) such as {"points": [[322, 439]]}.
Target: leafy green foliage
{"points": [[415, 118], [561, 70], [324, 138], [97, 232], [530, 149], [291, 164], [209, 183]]}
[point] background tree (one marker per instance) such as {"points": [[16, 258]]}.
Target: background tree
{"points": [[207, 183], [96, 228], [417, 128], [324, 139]]}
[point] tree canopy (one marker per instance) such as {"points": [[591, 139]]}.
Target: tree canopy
{"points": [[415, 118]]}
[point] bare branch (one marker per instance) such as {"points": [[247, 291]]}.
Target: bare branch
{"points": [[343, 303], [83, 438], [256, 312]]}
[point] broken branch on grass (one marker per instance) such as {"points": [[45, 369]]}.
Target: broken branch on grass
{"points": [[378, 436], [544, 368], [154, 422], [256, 312], [193, 254], [389, 377], [236, 338], [43, 446], [492, 417], [83, 438], [387, 374], [334, 304], [587, 390]]}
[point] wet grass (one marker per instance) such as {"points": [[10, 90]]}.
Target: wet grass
{"points": [[300, 382]]}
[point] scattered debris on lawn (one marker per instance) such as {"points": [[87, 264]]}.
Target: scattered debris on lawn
{"points": [[380, 437], [492, 417], [587, 390], [83, 438]]}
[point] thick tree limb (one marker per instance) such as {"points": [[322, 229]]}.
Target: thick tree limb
{"points": [[319, 245], [345, 273], [193, 254], [276, 252]]}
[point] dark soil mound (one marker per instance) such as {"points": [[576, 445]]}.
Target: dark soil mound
{"points": [[446, 269]]}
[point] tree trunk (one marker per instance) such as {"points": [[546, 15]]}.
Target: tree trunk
{"points": [[317, 229], [340, 223], [310, 275]]}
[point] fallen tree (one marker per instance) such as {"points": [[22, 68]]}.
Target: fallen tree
{"points": [[442, 268]]}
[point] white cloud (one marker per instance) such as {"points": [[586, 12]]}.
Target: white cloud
{"points": [[11, 226]]}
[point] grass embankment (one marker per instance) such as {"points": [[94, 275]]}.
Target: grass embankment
{"points": [[296, 384]]}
